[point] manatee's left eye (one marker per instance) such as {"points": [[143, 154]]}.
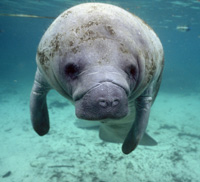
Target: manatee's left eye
{"points": [[72, 70], [132, 72]]}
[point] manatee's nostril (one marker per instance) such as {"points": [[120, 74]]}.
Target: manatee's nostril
{"points": [[115, 102], [103, 103], [106, 103]]}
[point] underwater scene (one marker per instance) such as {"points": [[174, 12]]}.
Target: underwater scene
{"points": [[77, 74]]}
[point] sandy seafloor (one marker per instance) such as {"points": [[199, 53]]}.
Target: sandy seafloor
{"points": [[72, 154]]}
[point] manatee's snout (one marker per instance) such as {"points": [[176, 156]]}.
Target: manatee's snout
{"points": [[106, 100]]}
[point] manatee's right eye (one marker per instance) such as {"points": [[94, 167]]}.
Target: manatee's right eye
{"points": [[72, 71]]}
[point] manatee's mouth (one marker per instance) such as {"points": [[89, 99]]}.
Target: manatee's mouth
{"points": [[77, 97], [106, 100]]}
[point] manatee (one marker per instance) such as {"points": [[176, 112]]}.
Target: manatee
{"points": [[108, 63]]}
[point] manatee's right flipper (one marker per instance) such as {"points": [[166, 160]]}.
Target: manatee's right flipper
{"points": [[38, 105]]}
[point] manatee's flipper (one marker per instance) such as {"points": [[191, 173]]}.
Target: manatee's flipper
{"points": [[38, 105], [143, 106]]}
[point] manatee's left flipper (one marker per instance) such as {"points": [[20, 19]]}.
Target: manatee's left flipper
{"points": [[143, 106], [38, 105]]}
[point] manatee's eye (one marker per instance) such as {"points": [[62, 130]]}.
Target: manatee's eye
{"points": [[132, 72], [72, 71]]}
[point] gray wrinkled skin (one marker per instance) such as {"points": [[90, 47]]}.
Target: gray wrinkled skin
{"points": [[108, 63]]}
